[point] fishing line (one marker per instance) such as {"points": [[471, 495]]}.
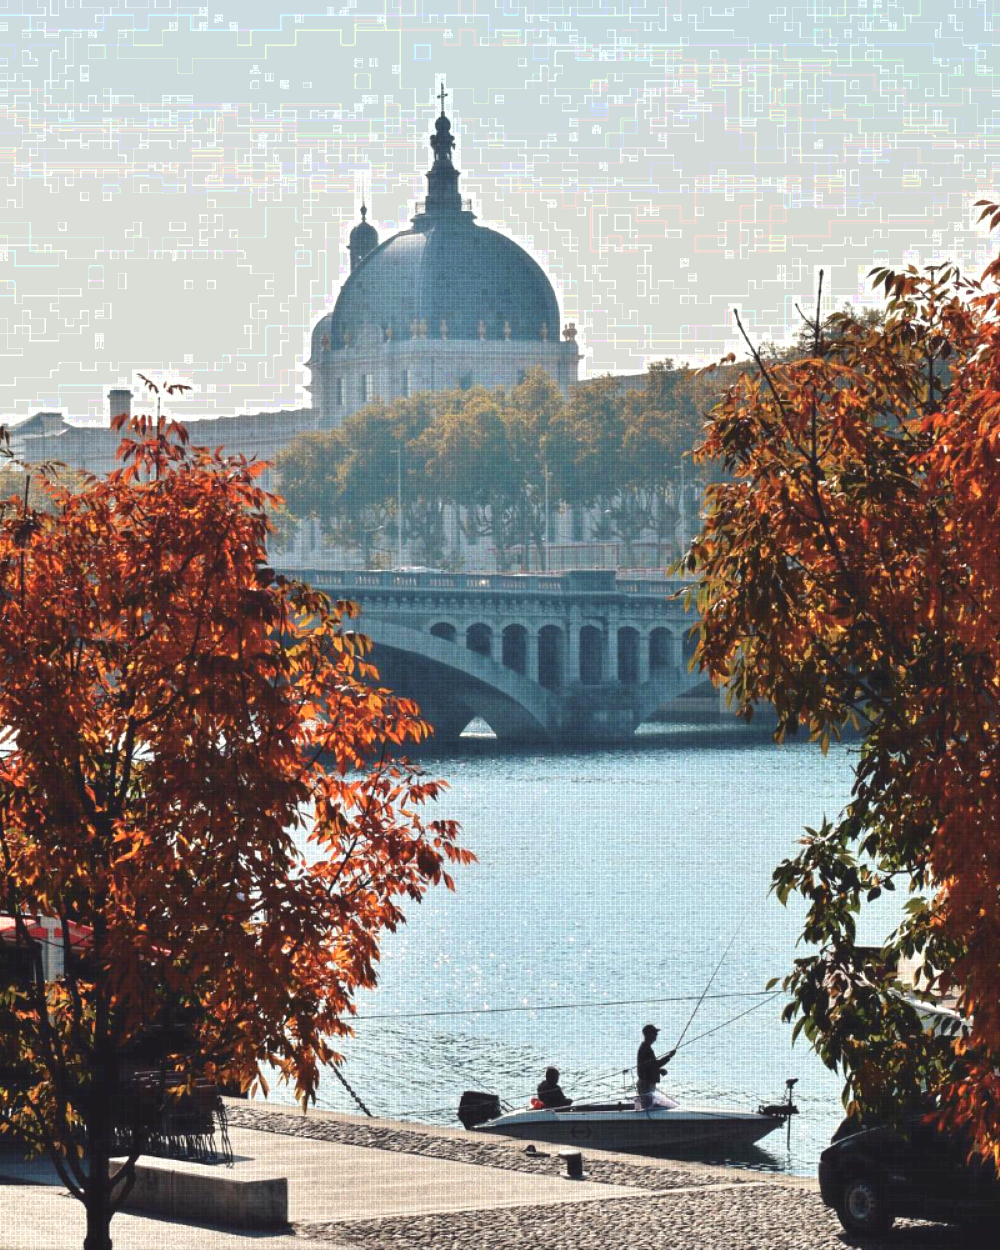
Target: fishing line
{"points": [[624, 1002], [733, 1019], [709, 985]]}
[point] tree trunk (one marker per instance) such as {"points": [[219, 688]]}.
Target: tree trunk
{"points": [[99, 1128], [98, 1205], [97, 1193]]}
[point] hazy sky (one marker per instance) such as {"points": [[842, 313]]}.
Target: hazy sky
{"points": [[180, 180]]}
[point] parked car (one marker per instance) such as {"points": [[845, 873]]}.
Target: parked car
{"points": [[872, 1176]]}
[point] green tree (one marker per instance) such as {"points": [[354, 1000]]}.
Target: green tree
{"points": [[468, 459]]}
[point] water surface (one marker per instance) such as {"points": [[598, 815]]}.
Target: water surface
{"points": [[613, 879]]}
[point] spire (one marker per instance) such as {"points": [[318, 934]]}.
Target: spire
{"points": [[442, 178]]}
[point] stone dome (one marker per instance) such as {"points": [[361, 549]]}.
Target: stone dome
{"points": [[450, 271], [446, 269]]}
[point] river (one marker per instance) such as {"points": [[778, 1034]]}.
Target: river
{"points": [[608, 882]]}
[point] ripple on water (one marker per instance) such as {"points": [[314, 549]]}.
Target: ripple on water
{"points": [[607, 875]]}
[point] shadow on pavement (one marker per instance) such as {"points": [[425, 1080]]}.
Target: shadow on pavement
{"points": [[919, 1236]]}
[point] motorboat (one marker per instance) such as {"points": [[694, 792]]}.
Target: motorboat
{"points": [[939, 1012], [625, 1126]]}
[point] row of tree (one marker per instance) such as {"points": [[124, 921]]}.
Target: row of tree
{"points": [[502, 457]]}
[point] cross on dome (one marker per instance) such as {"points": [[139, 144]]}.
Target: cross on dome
{"points": [[441, 97]]}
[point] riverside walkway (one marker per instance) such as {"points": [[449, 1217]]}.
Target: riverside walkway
{"points": [[357, 1184]]}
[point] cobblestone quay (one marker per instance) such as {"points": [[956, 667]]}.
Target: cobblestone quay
{"points": [[688, 1206]]}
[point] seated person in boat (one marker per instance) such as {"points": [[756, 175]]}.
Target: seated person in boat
{"points": [[649, 1069], [549, 1093]]}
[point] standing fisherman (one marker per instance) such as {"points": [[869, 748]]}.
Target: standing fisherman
{"points": [[649, 1069]]}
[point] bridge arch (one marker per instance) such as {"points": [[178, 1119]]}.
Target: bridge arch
{"points": [[689, 644], [479, 639], [453, 685], [445, 630], [514, 648], [591, 655], [552, 657], [661, 647]]}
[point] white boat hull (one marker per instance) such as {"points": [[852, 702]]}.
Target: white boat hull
{"points": [[618, 1126]]}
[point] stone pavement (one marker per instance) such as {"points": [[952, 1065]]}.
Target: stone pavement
{"points": [[374, 1185], [41, 1217]]}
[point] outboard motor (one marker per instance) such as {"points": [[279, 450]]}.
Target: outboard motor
{"points": [[785, 1109], [475, 1108]]}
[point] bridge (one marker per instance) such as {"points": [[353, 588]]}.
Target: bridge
{"points": [[576, 657]]}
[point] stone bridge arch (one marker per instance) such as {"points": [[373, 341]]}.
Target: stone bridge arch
{"points": [[453, 685], [581, 656]]}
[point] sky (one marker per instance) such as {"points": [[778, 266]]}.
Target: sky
{"points": [[179, 180]]}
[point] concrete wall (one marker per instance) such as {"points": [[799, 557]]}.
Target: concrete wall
{"points": [[207, 1194]]}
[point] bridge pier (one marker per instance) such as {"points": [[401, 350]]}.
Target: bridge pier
{"points": [[572, 672], [605, 713], [531, 657], [643, 676], [611, 646]]}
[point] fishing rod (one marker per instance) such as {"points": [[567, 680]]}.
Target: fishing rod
{"points": [[694, 1010]]}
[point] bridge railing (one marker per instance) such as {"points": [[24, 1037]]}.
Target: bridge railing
{"points": [[578, 581]]}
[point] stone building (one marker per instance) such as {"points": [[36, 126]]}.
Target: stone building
{"points": [[446, 304]]}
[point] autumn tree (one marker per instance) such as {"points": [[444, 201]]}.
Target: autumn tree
{"points": [[199, 795], [848, 576]]}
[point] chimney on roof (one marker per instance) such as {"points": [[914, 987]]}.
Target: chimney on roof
{"points": [[120, 401]]}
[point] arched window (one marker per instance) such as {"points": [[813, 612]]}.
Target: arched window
{"points": [[443, 630]]}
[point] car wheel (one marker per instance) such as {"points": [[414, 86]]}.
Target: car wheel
{"points": [[862, 1208]]}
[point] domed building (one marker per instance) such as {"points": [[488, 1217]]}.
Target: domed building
{"points": [[446, 304]]}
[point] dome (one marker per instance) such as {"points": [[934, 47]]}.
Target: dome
{"points": [[448, 270], [446, 277]]}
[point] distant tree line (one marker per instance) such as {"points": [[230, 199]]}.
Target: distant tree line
{"points": [[499, 456]]}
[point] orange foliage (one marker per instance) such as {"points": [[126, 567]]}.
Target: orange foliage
{"points": [[849, 575], [198, 767]]}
